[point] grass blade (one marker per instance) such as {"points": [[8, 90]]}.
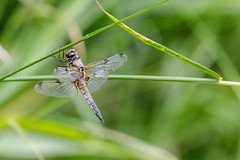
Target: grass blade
{"points": [[135, 77], [162, 47], [81, 39], [21, 132]]}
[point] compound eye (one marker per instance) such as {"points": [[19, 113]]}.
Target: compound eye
{"points": [[71, 53], [72, 50]]}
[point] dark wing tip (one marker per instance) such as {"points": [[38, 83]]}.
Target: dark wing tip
{"points": [[123, 56], [39, 83]]}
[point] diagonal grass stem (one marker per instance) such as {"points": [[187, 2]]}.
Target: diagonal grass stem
{"points": [[82, 39], [22, 133], [162, 47]]}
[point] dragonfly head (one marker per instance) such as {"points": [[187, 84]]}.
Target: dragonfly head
{"points": [[72, 54]]}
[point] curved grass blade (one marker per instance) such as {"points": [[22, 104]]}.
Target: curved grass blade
{"points": [[114, 143], [82, 39], [22, 133], [162, 47]]}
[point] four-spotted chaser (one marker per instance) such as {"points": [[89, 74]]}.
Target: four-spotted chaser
{"points": [[76, 76]]}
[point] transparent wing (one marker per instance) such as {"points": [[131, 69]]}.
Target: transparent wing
{"points": [[97, 72], [66, 74], [95, 80], [56, 89], [112, 63]]}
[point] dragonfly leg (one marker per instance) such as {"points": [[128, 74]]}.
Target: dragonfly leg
{"points": [[64, 59], [57, 61]]}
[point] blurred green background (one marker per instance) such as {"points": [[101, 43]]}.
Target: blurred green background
{"points": [[143, 119]]}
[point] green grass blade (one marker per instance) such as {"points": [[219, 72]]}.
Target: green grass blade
{"points": [[162, 47], [135, 77], [81, 39], [86, 133], [21, 132]]}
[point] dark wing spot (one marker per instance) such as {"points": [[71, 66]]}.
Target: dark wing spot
{"points": [[82, 68], [40, 83], [120, 54], [87, 78], [57, 81], [106, 60]]}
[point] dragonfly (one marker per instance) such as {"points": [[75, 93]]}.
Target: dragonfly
{"points": [[74, 77]]}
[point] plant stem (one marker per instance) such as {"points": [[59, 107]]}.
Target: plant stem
{"points": [[135, 77], [162, 47], [82, 39]]}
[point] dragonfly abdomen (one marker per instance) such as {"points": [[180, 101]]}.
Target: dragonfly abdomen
{"points": [[94, 107], [90, 101]]}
